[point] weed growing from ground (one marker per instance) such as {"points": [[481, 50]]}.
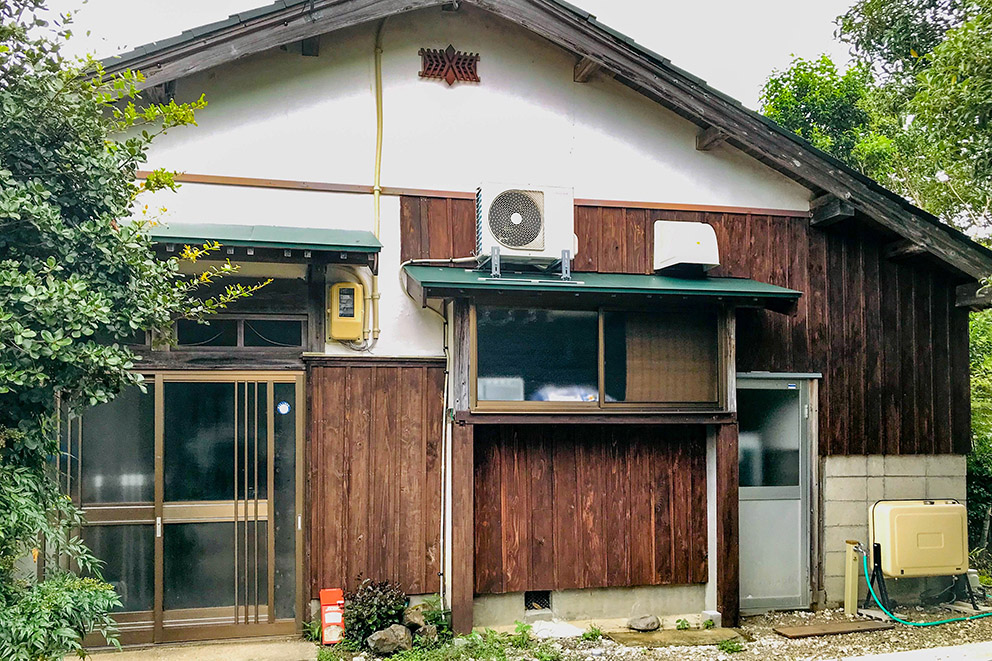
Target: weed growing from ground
{"points": [[592, 633], [682, 624], [709, 624], [730, 646]]}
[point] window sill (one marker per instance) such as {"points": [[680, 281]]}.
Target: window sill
{"points": [[599, 416]]}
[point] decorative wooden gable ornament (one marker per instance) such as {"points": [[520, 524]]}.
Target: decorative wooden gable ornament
{"points": [[448, 64]]}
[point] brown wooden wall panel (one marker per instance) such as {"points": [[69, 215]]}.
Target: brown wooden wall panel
{"points": [[885, 334], [582, 506], [375, 474]]}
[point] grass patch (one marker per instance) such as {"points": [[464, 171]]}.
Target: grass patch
{"points": [[730, 646], [592, 633]]}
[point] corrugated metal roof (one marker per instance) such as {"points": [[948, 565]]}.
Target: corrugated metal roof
{"points": [[261, 236], [441, 280]]}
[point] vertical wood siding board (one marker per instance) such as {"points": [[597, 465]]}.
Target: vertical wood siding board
{"points": [[463, 537], [960, 386], [907, 337], [891, 357], [924, 362], [838, 400], [633, 224], [331, 501], [873, 349], [588, 469], [568, 551], [641, 533], [463, 228], [854, 290], [425, 235], [410, 228], [617, 507], [488, 528], [357, 436], [684, 519], [727, 528], [439, 228], [434, 414], [587, 231], [798, 279], [613, 242], [819, 338], [782, 251], [941, 364], [541, 570], [315, 482], [411, 509], [698, 502], [379, 549], [648, 220], [661, 466], [512, 505]]}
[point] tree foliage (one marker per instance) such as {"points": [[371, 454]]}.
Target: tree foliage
{"points": [[74, 281]]}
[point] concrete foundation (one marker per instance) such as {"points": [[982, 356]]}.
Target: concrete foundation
{"points": [[595, 604], [851, 485]]}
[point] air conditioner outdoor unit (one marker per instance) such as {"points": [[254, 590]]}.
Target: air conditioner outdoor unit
{"points": [[529, 224]]}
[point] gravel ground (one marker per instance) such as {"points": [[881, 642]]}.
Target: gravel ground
{"points": [[763, 643]]}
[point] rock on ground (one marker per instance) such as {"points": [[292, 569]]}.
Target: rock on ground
{"points": [[391, 639], [413, 617], [644, 623]]}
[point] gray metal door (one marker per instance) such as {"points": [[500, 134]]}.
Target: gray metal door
{"points": [[774, 492]]}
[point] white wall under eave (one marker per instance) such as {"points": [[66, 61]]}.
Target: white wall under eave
{"points": [[280, 115]]}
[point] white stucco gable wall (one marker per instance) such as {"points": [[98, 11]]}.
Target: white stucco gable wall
{"points": [[281, 115]]}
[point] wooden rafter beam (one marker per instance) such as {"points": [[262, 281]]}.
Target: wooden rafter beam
{"points": [[709, 138], [584, 70], [829, 210], [904, 249]]}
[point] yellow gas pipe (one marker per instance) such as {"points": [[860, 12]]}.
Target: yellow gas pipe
{"points": [[376, 185]]}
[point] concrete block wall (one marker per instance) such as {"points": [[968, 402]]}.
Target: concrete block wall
{"points": [[849, 486]]}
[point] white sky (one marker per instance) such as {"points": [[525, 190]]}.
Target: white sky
{"points": [[732, 44]]}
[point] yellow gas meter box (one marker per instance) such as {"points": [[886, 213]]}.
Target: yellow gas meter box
{"points": [[345, 311], [921, 537]]}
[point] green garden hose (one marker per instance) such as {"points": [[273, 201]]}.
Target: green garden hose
{"points": [[914, 624]]}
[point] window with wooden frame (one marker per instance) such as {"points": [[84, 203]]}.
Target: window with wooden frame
{"points": [[551, 360]]}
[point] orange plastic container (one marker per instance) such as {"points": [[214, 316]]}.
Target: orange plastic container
{"points": [[331, 615]]}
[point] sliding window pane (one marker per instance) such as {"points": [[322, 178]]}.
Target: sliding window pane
{"points": [[273, 333], [199, 440], [666, 357], [537, 355], [117, 454], [128, 553]]}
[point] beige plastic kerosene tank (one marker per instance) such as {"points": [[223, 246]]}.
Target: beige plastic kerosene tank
{"points": [[921, 537]]}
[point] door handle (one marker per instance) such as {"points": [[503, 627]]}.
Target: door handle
{"points": [[158, 526]]}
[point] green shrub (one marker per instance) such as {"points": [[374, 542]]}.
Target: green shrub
{"points": [[439, 617], [592, 633], [682, 624], [371, 607], [709, 624], [731, 646]]}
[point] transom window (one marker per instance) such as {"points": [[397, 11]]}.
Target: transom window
{"points": [[252, 331], [541, 359]]}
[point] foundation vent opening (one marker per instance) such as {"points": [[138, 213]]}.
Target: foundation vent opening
{"points": [[537, 600]]}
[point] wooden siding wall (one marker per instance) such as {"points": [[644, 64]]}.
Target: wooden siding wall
{"points": [[584, 506], [885, 334], [375, 474]]}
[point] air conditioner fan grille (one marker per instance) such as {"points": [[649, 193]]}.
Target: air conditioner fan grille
{"points": [[516, 219]]}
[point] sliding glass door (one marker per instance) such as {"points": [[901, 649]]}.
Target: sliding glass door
{"points": [[193, 498]]}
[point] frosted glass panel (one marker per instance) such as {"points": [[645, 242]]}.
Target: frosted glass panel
{"points": [[118, 449], [769, 437]]}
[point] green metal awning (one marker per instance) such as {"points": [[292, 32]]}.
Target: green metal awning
{"points": [[424, 282], [268, 236]]}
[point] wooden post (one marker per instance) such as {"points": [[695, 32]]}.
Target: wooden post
{"points": [[728, 588], [462, 527], [851, 569]]}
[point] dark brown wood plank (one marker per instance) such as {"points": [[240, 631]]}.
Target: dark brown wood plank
{"points": [[854, 332], [891, 358], [412, 482], [940, 297], [727, 525], [832, 628], [589, 465], [613, 242], [907, 358], [617, 444], [588, 225], [635, 242], [410, 229], [542, 508], [837, 378], [434, 417], [438, 224], [358, 430], [462, 228], [515, 503], [462, 529], [699, 529], [923, 356], [641, 513], [488, 513], [568, 548], [661, 466], [960, 384]]}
